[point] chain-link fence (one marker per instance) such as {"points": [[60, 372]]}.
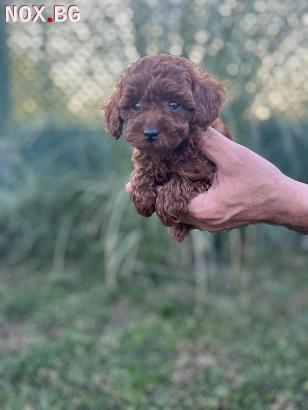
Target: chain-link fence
{"points": [[54, 77]]}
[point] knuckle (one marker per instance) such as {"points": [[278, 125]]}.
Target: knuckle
{"points": [[239, 156]]}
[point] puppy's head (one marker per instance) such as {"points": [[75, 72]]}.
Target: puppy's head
{"points": [[159, 101]]}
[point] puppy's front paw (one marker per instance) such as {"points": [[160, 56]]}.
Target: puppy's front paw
{"points": [[144, 201], [169, 207], [167, 212]]}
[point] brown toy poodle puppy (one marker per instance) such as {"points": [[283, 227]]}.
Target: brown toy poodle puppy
{"points": [[162, 103]]}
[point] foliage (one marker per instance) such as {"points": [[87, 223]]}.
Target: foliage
{"points": [[61, 179]]}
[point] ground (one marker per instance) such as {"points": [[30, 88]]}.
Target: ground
{"points": [[67, 343]]}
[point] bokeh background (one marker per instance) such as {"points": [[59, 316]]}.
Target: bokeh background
{"points": [[99, 308]]}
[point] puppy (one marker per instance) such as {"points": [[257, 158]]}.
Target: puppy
{"points": [[162, 104]]}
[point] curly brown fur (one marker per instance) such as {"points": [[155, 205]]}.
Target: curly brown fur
{"points": [[163, 103]]}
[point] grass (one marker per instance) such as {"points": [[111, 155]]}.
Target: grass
{"points": [[67, 343]]}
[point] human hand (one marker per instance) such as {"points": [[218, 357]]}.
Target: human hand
{"points": [[245, 189]]}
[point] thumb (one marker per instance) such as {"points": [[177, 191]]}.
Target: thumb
{"points": [[217, 148]]}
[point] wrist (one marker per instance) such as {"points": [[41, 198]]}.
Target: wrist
{"points": [[290, 205]]}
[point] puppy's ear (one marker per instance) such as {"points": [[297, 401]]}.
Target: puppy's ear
{"points": [[209, 96], [111, 112]]}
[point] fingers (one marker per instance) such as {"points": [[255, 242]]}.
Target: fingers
{"points": [[202, 225], [128, 187], [218, 148]]}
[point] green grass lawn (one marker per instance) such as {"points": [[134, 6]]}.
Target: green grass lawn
{"points": [[66, 343]]}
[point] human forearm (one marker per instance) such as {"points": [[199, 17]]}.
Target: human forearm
{"points": [[291, 205]]}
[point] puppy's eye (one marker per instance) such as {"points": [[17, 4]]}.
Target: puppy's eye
{"points": [[135, 106], [174, 105]]}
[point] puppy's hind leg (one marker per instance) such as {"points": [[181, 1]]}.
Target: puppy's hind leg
{"points": [[179, 231]]}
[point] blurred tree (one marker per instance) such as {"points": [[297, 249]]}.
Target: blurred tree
{"points": [[4, 77]]}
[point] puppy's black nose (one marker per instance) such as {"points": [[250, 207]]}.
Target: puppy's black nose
{"points": [[150, 134]]}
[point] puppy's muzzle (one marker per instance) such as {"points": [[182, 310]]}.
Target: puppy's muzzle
{"points": [[150, 134]]}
